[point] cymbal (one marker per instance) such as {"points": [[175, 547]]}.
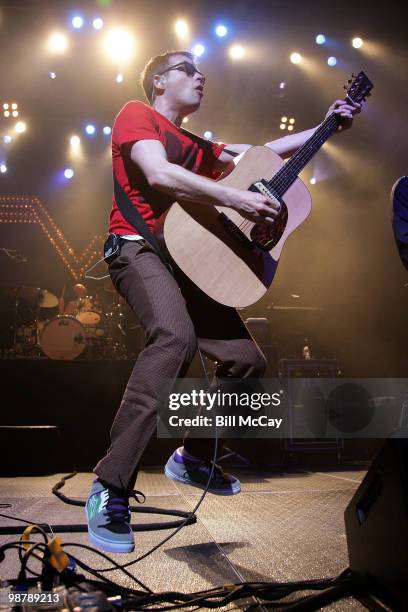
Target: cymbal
{"points": [[48, 299]]}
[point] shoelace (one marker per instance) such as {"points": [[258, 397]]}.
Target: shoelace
{"points": [[117, 508]]}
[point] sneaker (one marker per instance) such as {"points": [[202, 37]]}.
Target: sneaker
{"points": [[196, 473], [108, 517]]}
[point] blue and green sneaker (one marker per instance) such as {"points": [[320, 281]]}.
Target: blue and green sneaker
{"points": [[196, 473], [108, 517]]}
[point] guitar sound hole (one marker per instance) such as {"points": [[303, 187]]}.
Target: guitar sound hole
{"points": [[266, 237]]}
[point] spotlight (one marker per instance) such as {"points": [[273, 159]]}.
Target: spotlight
{"points": [[68, 173], [6, 106], [75, 141], [291, 120], [290, 128], [296, 58], [320, 39], [198, 50], [57, 43], [52, 75], [185, 119], [282, 85], [221, 30], [77, 22], [14, 106], [181, 28], [6, 113], [106, 130], [119, 77], [332, 61], [357, 42], [282, 126], [119, 45], [90, 129], [7, 139], [208, 134], [313, 181], [20, 127], [15, 113], [3, 168], [97, 23], [284, 119], [237, 52]]}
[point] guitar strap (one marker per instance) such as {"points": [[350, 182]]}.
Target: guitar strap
{"points": [[135, 219]]}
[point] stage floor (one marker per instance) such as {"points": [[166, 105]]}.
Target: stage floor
{"points": [[283, 526]]}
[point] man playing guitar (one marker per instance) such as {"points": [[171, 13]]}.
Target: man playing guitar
{"points": [[156, 162]]}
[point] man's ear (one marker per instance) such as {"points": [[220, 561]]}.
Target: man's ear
{"points": [[158, 83]]}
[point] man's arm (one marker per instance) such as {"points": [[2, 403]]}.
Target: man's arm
{"points": [[286, 146], [181, 184]]}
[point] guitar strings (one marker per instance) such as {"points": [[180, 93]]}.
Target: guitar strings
{"points": [[288, 173]]}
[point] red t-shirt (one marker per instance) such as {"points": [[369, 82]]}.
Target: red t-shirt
{"points": [[138, 121]]}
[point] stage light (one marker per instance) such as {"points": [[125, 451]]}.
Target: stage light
{"points": [[119, 45], [237, 52], [320, 39], [181, 28], [77, 22], [6, 113], [208, 134], [68, 173], [15, 113], [3, 168], [291, 120], [106, 130], [290, 128], [284, 119], [313, 181], [6, 106], [198, 50], [332, 61], [282, 126], [185, 120], [57, 43], [75, 141], [14, 106], [282, 85], [7, 139], [52, 75], [119, 77], [221, 30], [357, 42], [90, 129], [97, 23], [295, 58], [20, 127]]}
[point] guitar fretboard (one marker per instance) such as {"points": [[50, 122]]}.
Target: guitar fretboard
{"points": [[284, 178]]}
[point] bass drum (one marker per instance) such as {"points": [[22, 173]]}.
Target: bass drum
{"points": [[63, 337]]}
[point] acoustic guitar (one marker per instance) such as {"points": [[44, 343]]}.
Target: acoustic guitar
{"points": [[234, 260]]}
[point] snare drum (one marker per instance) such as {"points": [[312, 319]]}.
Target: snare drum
{"points": [[63, 337], [89, 312]]}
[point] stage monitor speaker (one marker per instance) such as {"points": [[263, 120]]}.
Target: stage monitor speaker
{"points": [[376, 522]]}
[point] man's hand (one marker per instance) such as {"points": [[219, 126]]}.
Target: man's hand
{"points": [[346, 110], [253, 206]]}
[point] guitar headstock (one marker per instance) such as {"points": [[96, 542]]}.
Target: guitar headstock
{"points": [[358, 88]]}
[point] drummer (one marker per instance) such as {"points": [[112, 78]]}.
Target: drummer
{"points": [[82, 302]]}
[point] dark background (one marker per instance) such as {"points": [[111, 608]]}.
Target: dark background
{"points": [[343, 258]]}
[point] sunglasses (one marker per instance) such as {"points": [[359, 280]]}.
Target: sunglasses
{"points": [[187, 67]]}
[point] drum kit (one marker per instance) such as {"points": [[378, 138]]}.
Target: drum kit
{"points": [[89, 331]]}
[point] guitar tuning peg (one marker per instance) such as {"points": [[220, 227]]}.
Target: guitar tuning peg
{"points": [[345, 87], [353, 75], [349, 81]]}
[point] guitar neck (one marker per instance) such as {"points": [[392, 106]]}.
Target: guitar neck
{"points": [[287, 175]]}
